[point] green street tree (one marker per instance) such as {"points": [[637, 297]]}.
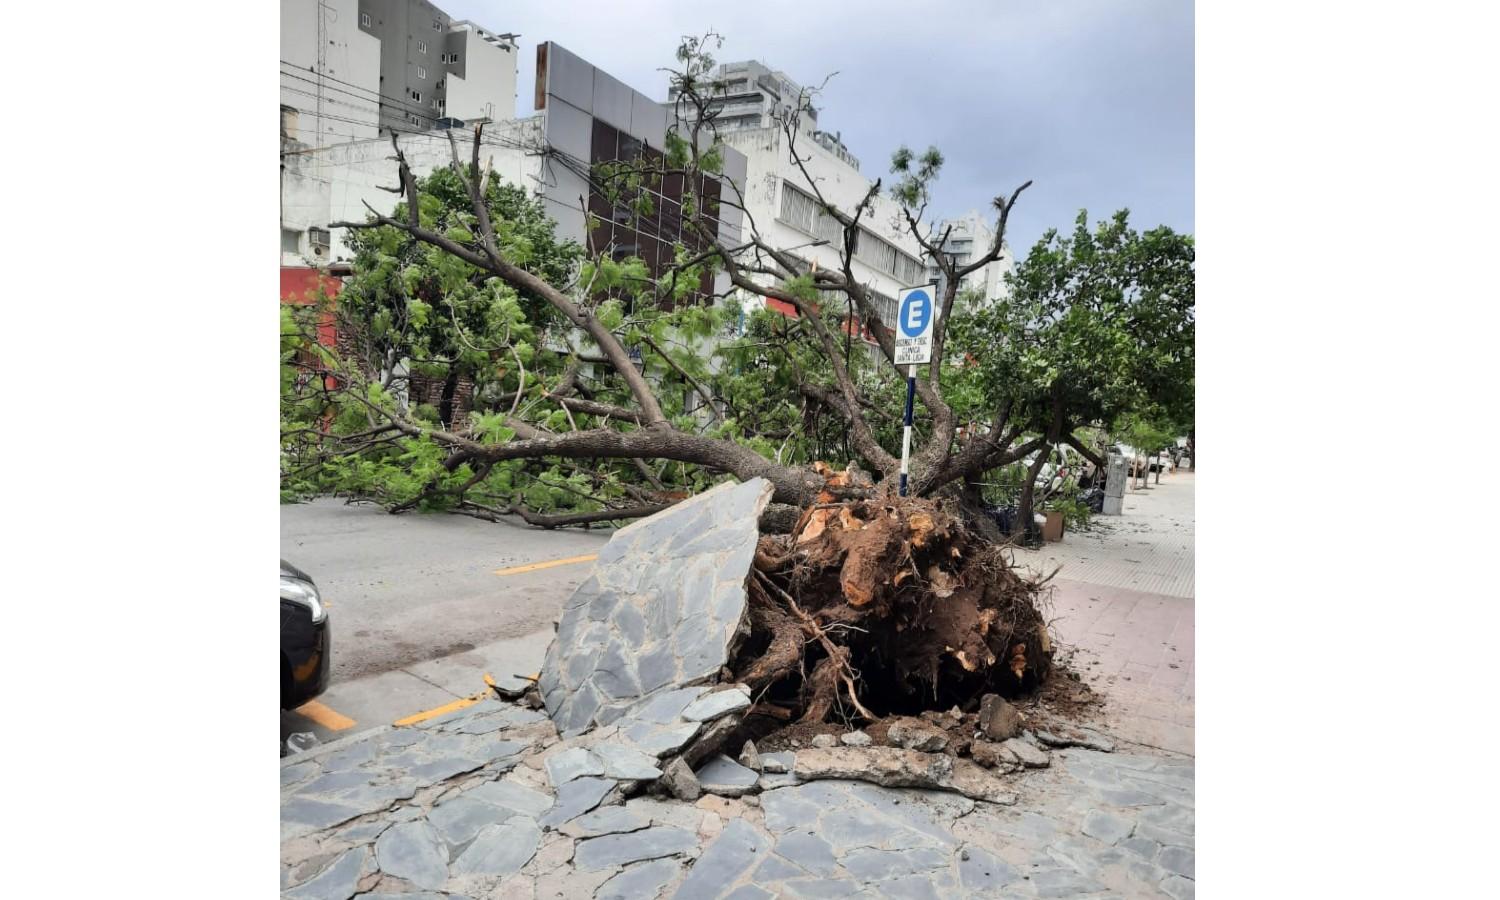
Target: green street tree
{"points": [[1099, 326]]}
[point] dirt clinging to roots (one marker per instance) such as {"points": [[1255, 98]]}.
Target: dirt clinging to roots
{"points": [[889, 605]]}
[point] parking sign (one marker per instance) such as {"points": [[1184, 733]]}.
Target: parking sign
{"points": [[914, 318]]}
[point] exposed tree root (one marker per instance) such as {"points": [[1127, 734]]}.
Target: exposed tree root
{"points": [[874, 606]]}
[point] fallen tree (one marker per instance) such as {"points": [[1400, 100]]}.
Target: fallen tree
{"points": [[595, 390]]}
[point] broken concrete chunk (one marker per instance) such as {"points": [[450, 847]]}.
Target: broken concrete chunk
{"points": [[679, 781], [712, 741], [855, 739], [998, 719], [894, 767], [994, 756], [825, 741], [1080, 737], [750, 757], [1030, 755], [777, 763], [914, 734]]}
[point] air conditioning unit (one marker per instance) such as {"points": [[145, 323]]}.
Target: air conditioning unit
{"points": [[318, 239]]}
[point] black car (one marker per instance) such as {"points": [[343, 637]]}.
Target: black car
{"points": [[304, 638]]}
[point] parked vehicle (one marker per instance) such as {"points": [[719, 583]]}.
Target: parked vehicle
{"points": [[304, 638]]}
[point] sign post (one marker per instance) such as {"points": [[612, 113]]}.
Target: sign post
{"points": [[914, 321]]}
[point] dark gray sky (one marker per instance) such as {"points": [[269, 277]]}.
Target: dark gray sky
{"points": [[1091, 99]]}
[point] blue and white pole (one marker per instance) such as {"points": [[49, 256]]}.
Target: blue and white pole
{"points": [[911, 390]]}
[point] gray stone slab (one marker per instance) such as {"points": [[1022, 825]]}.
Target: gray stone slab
{"points": [[638, 881], [662, 740], [627, 763], [981, 871], [636, 846], [916, 887], [1145, 848], [805, 849], [716, 704], [576, 798], [1177, 860], [574, 762], [609, 820], [871, 864], [295, 773], [512, 796], [458, 820], [336, 882], [749, 892], [1063, 883], [817, 889], [1106, 828], [739, 846], [317, 814], [500, 849], [415, 852], [1178, 888], [722, 775]]}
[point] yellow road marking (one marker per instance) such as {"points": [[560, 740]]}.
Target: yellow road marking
{"points": [[331, 719], [532, 567], [445, 708]]}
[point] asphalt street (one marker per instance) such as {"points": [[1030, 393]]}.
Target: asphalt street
{"points": [[422, 606]]}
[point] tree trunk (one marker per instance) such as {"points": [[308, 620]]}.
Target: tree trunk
{"points": [[1024, 523], [971, 505]]}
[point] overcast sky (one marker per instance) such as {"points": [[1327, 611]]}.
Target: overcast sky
{"points": [[1091, 99]]}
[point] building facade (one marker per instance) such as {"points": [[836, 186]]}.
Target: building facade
{"points": [[887, 259], [970, 237], [751, 96]]}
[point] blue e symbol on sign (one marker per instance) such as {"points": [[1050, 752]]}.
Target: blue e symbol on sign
{"points": [[915, 314]]}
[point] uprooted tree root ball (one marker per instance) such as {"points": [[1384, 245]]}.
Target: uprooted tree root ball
{"points": [[885, 606]]}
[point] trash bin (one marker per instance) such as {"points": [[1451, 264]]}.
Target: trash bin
{"points": [[1052, 528]]}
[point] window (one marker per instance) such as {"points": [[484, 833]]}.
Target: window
{"points": [[421, 47], [421, 72], [437, 24], [318, 238], [364, 19], [441, 83], [417, 96], [291, 240], [416, 120], [435, 103]]}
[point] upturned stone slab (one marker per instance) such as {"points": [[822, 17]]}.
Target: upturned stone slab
{"points": [[659, 611], [725, 777], [415, 852], [636, 846]]}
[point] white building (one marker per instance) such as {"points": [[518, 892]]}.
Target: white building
{"points": [[352, 71], [887, 259], [752, 95], [970, 238]]}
